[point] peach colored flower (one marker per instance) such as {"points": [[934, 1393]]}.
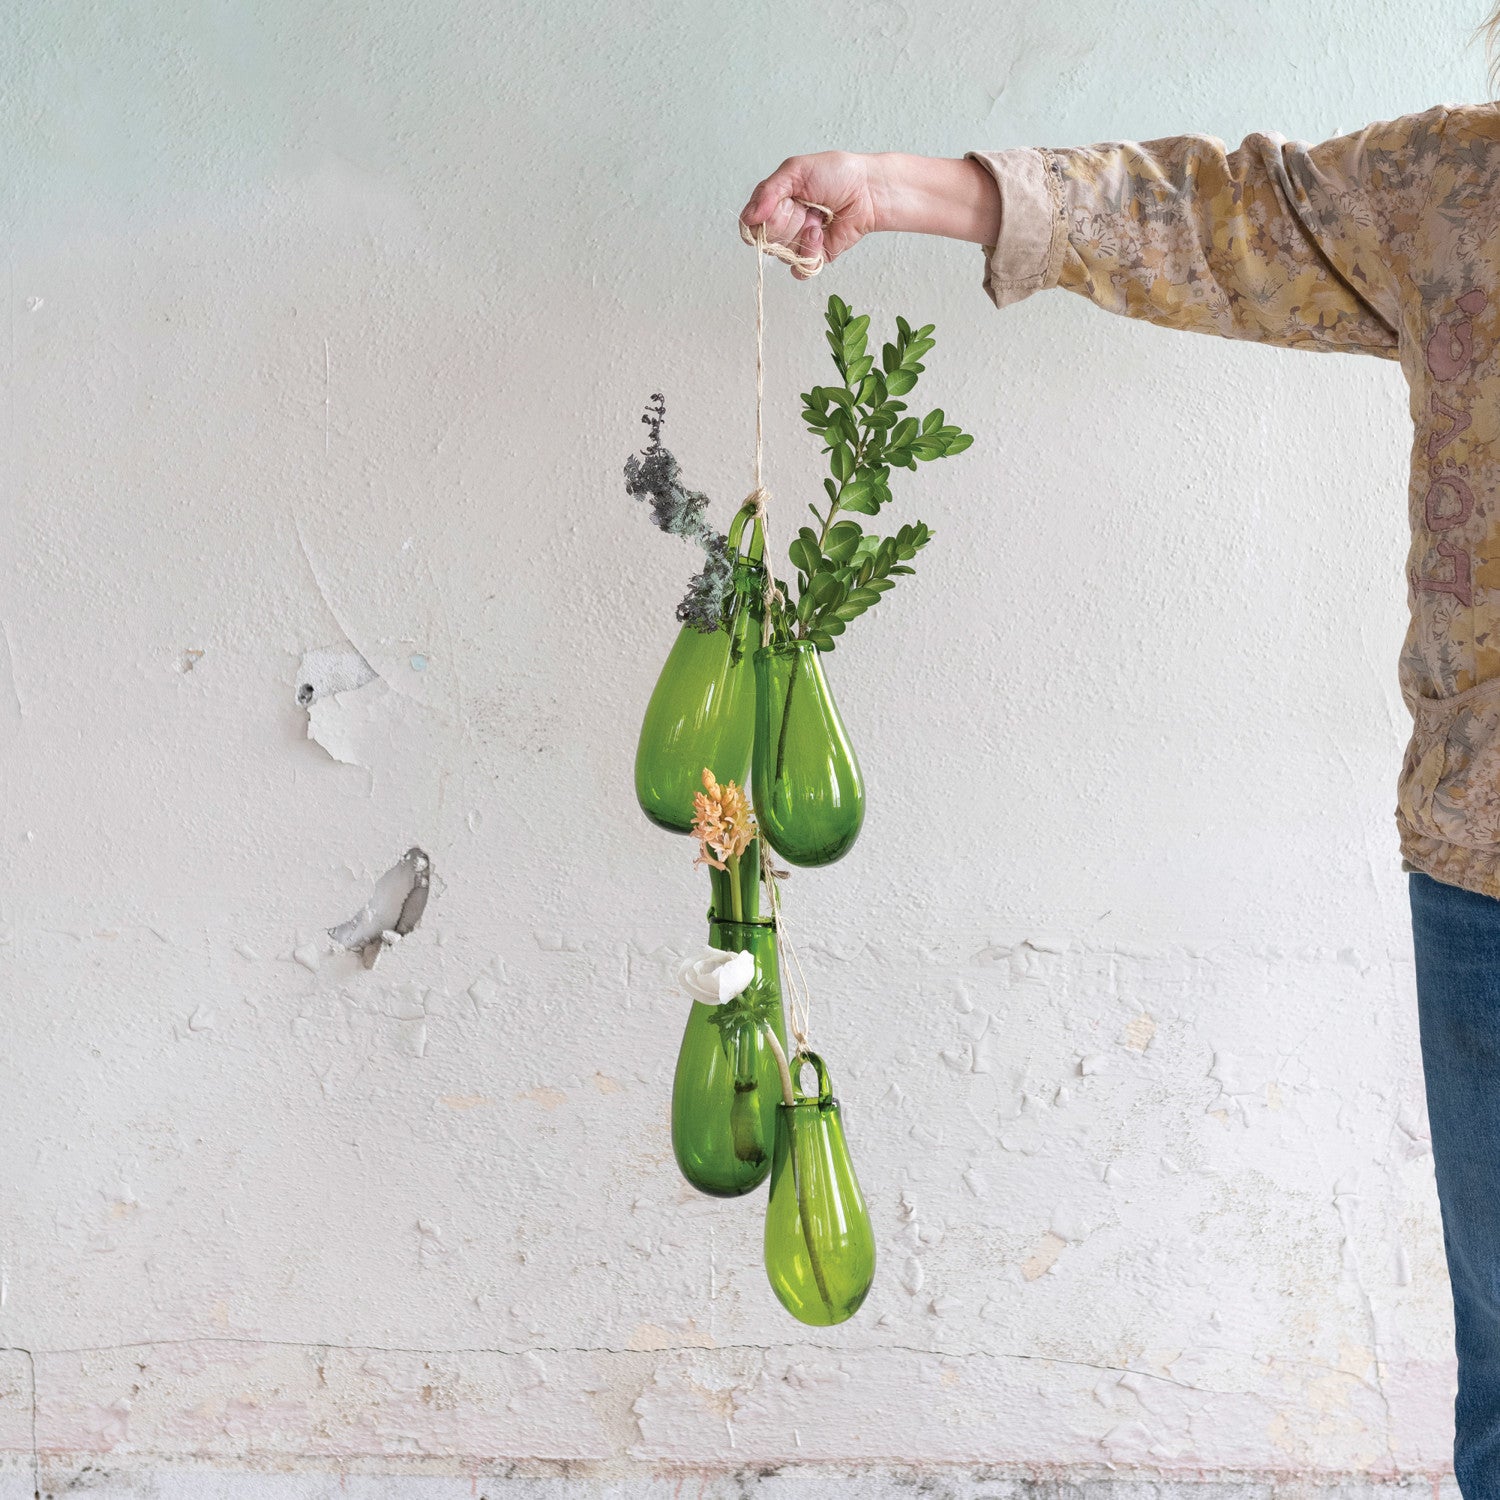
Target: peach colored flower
{"points": [[722, 822]]}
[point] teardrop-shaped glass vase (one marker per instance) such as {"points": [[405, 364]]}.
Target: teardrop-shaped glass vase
{"points": [[727, 1082], [820, 1249], [702, 710], [809, 795]]}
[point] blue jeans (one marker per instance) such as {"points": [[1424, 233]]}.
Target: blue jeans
{"points": [[1457, 939]]}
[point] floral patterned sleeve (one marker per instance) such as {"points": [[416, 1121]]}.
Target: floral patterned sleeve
{"points": [[1276, 241]]}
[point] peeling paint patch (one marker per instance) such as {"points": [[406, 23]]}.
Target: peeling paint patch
{"points": [[1139, 1033], [649, 1337], [342, 694], [546, 1096], [394, 909], [1044, 1257], [329, 671]]}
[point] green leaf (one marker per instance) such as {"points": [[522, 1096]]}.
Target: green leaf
{"points": [[803, 551], [899, 382], [840, 394], [927, 448], [825, 589], [958, 444], [858, 369], [841, 461], [843, 541], [860, 497], [821, 639], [932, 421], [906, 430]]}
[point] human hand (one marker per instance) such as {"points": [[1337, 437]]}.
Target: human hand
{"points": [[844, 182]]}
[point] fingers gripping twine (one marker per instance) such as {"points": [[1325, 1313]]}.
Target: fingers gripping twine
{"points": [[809, 265]]}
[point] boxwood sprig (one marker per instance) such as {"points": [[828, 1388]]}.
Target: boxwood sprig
{"points": [[841, 569]]}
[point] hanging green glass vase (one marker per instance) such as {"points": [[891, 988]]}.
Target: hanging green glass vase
{"points": [[702, 710], [820, 1249], [727, 1081], [809, 795]]}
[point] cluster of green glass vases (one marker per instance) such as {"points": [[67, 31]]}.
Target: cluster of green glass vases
{"points": [[762, 715], [727, 1081]]}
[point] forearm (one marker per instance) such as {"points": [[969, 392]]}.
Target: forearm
{"points": [[955, 198], [1273, 242]]}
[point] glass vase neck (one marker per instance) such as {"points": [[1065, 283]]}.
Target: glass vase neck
{"points": [[735, 892], [753, 550]]}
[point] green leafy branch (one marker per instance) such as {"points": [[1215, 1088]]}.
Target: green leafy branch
{"points": [[841, 569]]}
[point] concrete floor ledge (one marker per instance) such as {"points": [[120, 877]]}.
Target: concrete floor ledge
{"points": [[101, 1479]]}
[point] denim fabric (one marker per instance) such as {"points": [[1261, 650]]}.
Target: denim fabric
{"points": [[1457, 937]]}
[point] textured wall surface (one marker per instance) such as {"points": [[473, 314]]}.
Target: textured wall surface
{"points": [[327, 330]]}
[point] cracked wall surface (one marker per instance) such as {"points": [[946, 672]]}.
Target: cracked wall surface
{"points": [[328, 328]]}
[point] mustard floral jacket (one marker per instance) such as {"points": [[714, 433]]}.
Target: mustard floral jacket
{"points": [[1382, 242]]}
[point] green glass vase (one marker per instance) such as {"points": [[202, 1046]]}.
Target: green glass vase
{"points": [[820, 1249], [809, 795], [702, 710], [727, 1082]]}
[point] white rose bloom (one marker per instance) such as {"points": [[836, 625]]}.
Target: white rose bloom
{"points": [[714, 976]]}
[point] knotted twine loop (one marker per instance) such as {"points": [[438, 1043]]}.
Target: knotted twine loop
{"points": [[809, 265], [758, 498]]}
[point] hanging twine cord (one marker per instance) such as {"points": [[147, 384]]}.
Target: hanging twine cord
{"points": [[798, 992], [759, 497]]}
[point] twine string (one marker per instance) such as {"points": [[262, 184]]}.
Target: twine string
{"points": [[759, 497], [797, 992]]}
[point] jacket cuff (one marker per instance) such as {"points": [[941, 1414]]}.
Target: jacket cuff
{"points": [[1028, 256]]}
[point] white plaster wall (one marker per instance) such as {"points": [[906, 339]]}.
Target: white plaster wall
{"points": [[329, 324]]}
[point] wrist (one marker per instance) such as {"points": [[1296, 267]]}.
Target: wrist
{"points": [[883, 178], [952, 197], [895, 191]]}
